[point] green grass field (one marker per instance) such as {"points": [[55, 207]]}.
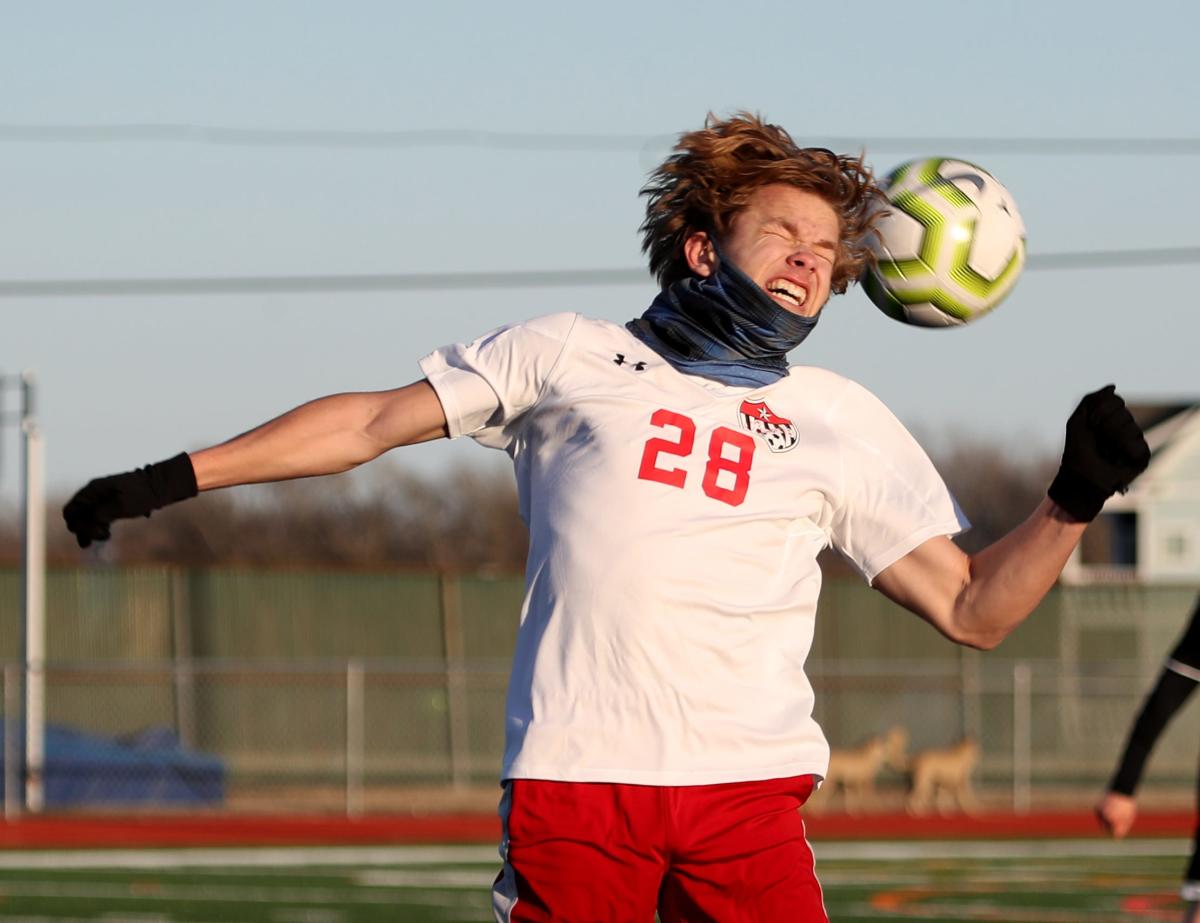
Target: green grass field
{"points": [[1043, 881]]}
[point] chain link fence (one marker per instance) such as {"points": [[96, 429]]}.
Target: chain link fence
{"points": [[358, 693]]}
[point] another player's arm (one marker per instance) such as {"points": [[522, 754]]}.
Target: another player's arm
{"points": [[325, 436], [1117, 808], [978, 599]]}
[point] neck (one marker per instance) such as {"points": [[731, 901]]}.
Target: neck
{"points": [[723, 326]]}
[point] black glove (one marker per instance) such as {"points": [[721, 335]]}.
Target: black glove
{"points": [[1104, 452], [90, 513]]}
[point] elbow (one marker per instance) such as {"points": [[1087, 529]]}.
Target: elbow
{"points": [[979, 639], [982, 642], [982, 627]]}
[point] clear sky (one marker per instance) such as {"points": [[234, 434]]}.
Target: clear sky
{"points": [[132, 379]]}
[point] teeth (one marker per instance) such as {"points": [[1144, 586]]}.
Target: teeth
{"points": [[788, 290]]}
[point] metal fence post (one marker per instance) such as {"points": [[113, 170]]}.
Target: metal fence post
{"points": [[12, 748], [34, 600], [1022, 700], [355, 736], [181, 655], [456, 682], [971, 692]]}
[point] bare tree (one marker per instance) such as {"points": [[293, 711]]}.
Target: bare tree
{"points": [[463, 519], [995, 486]]}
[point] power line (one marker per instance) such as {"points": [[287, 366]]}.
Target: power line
{"points": [[269, 137], [253, 285], [598, 142], [1115, 259], [465, 281]]}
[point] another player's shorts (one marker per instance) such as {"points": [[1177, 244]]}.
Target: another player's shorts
{"points": [[588, 852]]}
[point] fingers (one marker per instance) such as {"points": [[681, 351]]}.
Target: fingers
{"points": [[1103, 406], [75, 518], [88, 514], [1123, 434], [86, 533], [1116, 814], [1107, 823], [1103, 412], [1103, 452], [1133, 451], [87, 530], [1121, 439]]}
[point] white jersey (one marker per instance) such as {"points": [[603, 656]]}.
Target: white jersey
{"points": [[674, 526]]}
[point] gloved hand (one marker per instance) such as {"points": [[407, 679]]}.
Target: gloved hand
{"points": [[1104, 452], [90, 513]]}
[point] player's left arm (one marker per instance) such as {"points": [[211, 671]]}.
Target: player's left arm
{"points": [[978, 599]]}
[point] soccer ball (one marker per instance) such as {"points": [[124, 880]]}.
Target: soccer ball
{"points": [[951, 248]]}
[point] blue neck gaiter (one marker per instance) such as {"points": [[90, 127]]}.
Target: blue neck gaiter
{"points": [[723, 327]]}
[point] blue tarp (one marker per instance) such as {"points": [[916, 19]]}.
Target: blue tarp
{"points": [[150, 767]]}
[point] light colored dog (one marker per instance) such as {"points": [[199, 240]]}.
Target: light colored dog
{"points": [[941, 776], [853, 771]]}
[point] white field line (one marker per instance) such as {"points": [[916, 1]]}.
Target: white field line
{"points": [[108, 918], [997, 849], [305, 915], [242, 857], [358, 856], [210, 893], [996, 913], [207, 893], [1025, 883], [475, 879]]}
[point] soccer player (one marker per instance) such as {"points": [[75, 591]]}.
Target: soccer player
{"points": [[678, 480], [1117, 810]]}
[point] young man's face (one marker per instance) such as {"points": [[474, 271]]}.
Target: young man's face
{"points": [[786, 240]]}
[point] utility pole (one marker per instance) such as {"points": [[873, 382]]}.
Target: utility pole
{"points": [[33, 584]]}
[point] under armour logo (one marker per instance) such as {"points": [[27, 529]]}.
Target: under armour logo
{"points": [[637, 366]]}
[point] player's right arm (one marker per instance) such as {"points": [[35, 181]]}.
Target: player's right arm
{"points": [[325, 436]]}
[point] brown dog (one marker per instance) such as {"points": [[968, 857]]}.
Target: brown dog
{"points": [[939, 774], [853, 771]]}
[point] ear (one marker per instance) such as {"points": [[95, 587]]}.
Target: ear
{"points": [[700, 255]]}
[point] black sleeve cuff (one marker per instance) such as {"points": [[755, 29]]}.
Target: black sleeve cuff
{"points": [[172, 480], [1077, 495]]}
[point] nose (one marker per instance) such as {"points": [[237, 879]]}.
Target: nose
{"points": [[803, 258]]}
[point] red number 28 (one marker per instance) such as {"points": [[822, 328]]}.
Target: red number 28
{"points": [[681, 447]]}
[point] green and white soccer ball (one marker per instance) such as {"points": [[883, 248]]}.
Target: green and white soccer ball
{"points": [[951, 248]]}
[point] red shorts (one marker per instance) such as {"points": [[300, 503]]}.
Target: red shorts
{"points": [[589, 852]]}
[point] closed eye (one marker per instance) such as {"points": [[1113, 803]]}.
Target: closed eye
{"points": [[826, 249]]}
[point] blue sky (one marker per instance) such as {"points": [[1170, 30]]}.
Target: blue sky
{"points": [[127, 380]]}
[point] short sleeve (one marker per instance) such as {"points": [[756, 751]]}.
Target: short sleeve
{"points": [[485, 385], [893, 499]]}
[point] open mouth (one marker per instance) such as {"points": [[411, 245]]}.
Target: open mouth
{"points": [[788, 292]]}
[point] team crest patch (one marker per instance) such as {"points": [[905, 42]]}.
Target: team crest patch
{"points": [[757, 418]]}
